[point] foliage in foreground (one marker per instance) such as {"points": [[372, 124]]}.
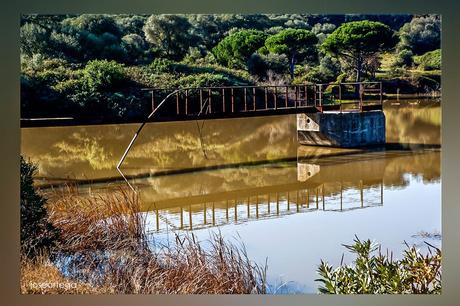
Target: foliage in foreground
{"points": [[104, 245], [37, 234], [375, 273]]}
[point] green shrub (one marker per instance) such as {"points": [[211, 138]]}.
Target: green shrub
{"points": [[37, 234], [103, 75], [430, 60], [259, 64], [404, 58], [375, 273], [162, 65], [203, 80]]}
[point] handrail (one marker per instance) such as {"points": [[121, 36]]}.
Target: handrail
{"points": [[137, 134]]}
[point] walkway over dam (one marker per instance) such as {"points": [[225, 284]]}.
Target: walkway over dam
{"points": [[245, 101]]}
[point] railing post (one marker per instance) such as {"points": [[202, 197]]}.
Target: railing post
{"points": [[233, 100], [177, 103], [245, 100], [153, 101], [253, 98], [186, 101], [266, 98], [306, 95], [296, 96], [210, 100], [286, 97], [201, 100], [276, 97], [314, 94], [223, 100]]}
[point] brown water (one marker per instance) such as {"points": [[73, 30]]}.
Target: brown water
{"points": [[291, 204]]}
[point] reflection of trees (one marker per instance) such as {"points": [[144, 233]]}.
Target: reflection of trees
{"points": [[413, 125], [93, 151]]}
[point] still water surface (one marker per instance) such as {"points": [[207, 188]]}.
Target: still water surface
{"points": [[249, 180]]}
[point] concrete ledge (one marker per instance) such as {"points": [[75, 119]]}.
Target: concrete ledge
{"points": [[345, 130]]}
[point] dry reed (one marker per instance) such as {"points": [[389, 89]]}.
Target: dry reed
{"points": [[104, 243]]}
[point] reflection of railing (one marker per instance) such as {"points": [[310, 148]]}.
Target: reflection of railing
{"points": [[266, 206]]}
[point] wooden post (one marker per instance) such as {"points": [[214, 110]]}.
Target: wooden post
{"points": [[201, 100], [153, 101], [276, 97], [361, 192], [236, 210], [226, 211]]}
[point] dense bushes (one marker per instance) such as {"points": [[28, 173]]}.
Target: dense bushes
{"points": [[430, 60], [37, 234]]}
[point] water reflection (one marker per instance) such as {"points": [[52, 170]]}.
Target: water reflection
{"points": [[331, 184], [91, 153]]}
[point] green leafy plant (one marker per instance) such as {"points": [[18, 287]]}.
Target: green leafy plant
{"points": [[373, 272]]}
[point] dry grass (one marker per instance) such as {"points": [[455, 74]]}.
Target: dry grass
{"points": [[40, 276], [103, 243]]}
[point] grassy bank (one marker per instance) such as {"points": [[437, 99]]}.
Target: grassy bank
{"points": [[103, 248]]}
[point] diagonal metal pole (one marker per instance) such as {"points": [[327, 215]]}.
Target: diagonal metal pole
{"points": [[122, 159]]}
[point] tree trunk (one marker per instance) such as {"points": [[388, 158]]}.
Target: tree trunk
{"points": [[359, 65], [291, 66]]}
